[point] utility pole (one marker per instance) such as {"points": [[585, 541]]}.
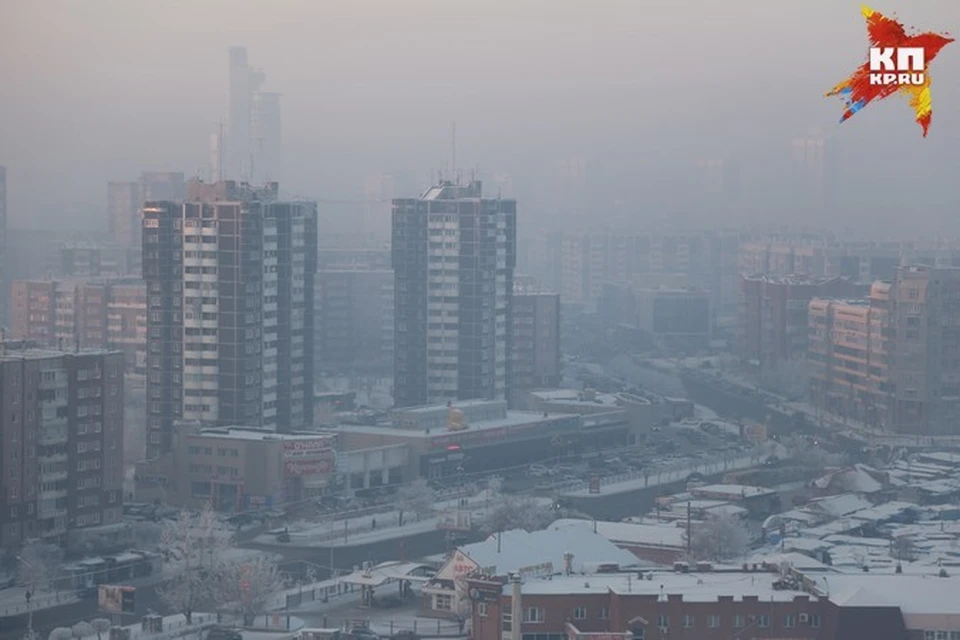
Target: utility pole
{"points": [[689, 538]]}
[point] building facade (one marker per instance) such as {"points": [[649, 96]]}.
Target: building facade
{"points": [[354, 312], [773, 320], [62, 442], [891, 361], [87, 314], [534, 343], [125, 199], [454, 255], [230, 287]]}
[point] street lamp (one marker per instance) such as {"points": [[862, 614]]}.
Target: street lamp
{"points": [[29, 594]]}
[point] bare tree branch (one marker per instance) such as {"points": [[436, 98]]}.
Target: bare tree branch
{"points": [[251, 585], [720, 539], [194, 546]]}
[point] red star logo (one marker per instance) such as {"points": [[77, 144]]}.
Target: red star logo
{"points": [[858, 90]]}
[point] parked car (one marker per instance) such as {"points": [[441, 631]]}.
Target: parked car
{"points": [[224, 633]]}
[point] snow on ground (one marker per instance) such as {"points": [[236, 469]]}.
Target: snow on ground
{"points": [[344, 611]]}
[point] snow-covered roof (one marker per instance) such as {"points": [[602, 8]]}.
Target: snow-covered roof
{"points": [[916, 596], [520, 549], [694, 587], [629, 533], [839, 505], [389, 572]]}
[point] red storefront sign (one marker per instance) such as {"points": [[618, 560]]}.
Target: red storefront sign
{"points": [[308, 467]]}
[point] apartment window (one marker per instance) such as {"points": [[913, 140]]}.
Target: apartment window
{"points": [[580, 613], [663, 621], [442, 602], [604, 613], [739, 622], [789, 621], [763, 621], [713, 621], [533, 614], [815, 620], [482, 609], [507, 621], [688, 621]]}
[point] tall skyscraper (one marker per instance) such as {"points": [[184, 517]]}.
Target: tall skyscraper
{"points": [[4, 271], [267, 151], [230, 280], [252, 149], [454, 254], [238, 123]]}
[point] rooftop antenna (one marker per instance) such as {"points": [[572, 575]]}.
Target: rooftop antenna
{"points": [[453, 151], [220, 152]]}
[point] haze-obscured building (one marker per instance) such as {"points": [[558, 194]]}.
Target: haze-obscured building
{"points": [[535, 343], [61, 424], [68, 313], [773, 319], [230, 294], [454, 254], [354, 312]]}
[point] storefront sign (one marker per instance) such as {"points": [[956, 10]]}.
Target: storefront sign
{"points": [[541, 569], [308, 467], [306, 448]]}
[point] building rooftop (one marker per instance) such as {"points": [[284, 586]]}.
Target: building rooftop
{"points": [[693, 587], [733, 491], [629, 533], [247, 433], [513, 419], [575, 397], [543, 551], [915, 595], [10, 353], [796, 279]]}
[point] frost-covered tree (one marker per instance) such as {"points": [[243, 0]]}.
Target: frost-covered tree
{"points": [[723, 538], [251, 586], [518, 512], [194, 547], [417, 497], [61, 633], [82, 629], [101, 626], [39, 565]]}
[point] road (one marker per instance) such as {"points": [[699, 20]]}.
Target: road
{"points": [[13, 628]]}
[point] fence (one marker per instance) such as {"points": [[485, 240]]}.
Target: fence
{"points": [[424, 627], [656, 477]]}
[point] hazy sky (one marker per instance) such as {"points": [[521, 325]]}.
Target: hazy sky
{"points": [[99, 90]]}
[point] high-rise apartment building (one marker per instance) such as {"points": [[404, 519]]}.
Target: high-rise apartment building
{"points": [[61, 442], [230, 294], [534, 344], [893, 361], [925, 378], [124, 200], [849, 357], [454, 255], [773, 318], [354, 312], [83, 314]]}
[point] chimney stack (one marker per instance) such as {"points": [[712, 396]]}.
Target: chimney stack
{"points": [[516, 608], [567, 563]]}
